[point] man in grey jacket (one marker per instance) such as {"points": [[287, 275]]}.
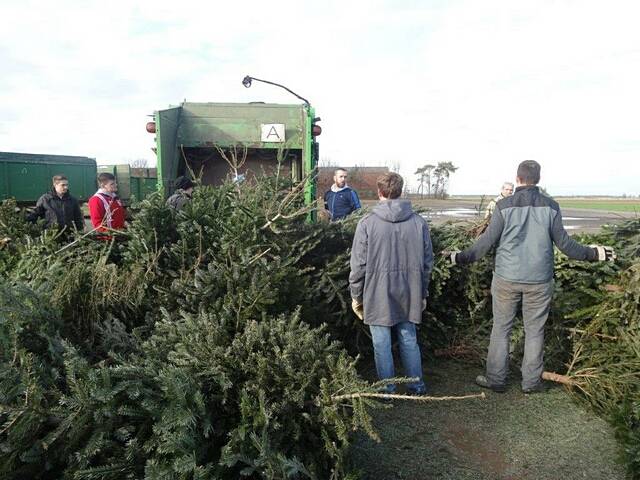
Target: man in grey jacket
{"points": [[525, 226], [391, 262]]}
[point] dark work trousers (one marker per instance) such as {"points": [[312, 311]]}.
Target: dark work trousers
{"points": [[535, 299]]}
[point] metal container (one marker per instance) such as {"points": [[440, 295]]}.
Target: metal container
{"points": [[187, 137], [26, 176]]}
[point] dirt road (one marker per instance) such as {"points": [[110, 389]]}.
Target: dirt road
{"points": [[504, 437]]}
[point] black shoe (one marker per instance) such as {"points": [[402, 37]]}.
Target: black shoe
{"points": [[482, 381], [539, 388], [422, 392]]}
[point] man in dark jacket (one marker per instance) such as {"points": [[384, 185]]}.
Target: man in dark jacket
{"points": [[340, 200], [391, 262], [525, 226], [58, 207], [182, 195]]}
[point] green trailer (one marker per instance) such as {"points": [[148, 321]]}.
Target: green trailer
{"points": [[187, 137], [26, 176]]}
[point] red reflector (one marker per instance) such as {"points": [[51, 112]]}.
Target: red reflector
{"points": [[151, 127], [316, 130]]}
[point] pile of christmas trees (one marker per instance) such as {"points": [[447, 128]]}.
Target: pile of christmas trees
{"points": [[213, 342], [191, 346]]}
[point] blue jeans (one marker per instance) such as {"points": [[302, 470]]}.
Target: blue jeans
{"points": [[409, 353]]}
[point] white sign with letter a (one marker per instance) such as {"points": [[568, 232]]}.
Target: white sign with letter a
{"points": [[273, 133]]}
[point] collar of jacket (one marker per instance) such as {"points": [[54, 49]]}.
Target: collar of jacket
{"points": [[526, 187], [336, 189], [102, 191], [54, 194]]}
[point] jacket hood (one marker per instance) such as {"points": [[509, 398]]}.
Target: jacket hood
{"points": [[393, 211]]}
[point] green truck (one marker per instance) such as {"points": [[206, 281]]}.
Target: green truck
{"points": [[194, 136], [26, 176]]}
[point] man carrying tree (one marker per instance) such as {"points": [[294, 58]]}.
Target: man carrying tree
{"points": [[391, 262], [340, 200], [525, 226], [507, 190]]}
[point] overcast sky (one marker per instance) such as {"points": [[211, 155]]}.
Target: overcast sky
{"points": [[483, 84]]}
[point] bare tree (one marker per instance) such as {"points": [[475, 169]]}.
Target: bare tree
{"points": [[428, 171], [441, 174], [139, 163], [326, 162], [424, 177], [421, 180], [393, 165]]}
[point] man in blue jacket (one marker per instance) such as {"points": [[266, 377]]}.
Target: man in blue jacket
{"points": [[525, 226], [340, 200]]}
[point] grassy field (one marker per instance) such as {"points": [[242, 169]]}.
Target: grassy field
{"points": [[612, 205]]}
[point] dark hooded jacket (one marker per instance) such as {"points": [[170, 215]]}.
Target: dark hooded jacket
{"points": [[56, 211], [179, 199], [391, 262]]}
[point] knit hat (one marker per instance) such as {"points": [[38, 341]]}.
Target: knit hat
{"points": [[183, 183]]}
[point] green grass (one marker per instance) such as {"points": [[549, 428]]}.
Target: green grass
{"points": [[613, 205], [505, 436]]}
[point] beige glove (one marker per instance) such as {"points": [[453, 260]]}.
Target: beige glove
{"points": [[605, 254], [357, 308]]}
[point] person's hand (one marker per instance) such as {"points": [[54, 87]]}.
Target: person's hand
{"points": [[357, 308], [424, 304], [450, 255], [604, 254]]}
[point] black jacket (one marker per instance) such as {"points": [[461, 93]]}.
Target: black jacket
{"points": [[61, 212]]}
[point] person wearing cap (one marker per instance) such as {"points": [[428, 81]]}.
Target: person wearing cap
{"points": [[182, 195]]}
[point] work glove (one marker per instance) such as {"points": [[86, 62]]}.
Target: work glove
{"points": [[605, 254], [424, 304], [450, 256], [357, 308]]}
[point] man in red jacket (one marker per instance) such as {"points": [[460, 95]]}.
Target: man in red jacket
{"points": [[105, 208]]}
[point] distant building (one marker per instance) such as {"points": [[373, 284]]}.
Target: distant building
{"points": [[361, 179]]}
